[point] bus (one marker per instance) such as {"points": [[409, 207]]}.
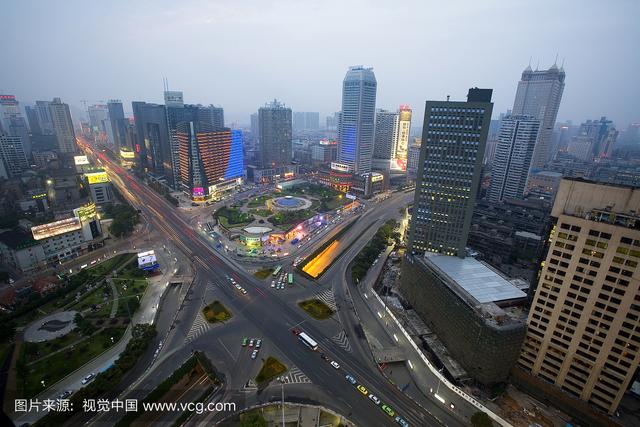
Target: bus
{"points": [[308, 341], [277, 270], [290, 279]]}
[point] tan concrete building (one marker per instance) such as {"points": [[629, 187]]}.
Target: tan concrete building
{"points": [[584, 327]]}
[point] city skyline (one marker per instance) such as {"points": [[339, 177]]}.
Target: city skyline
{"points": [[401, 82]]}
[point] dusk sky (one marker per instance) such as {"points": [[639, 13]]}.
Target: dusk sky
{"points": [[240, 54]]}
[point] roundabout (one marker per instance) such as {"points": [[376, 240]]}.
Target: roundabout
{"points": [[288, 203]]}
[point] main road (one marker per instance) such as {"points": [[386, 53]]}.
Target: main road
{"points": [[272, 316]]}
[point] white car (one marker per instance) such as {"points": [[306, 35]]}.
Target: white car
{"points": [[375, 399], [335, 364], [88, 378], [254, 354]]}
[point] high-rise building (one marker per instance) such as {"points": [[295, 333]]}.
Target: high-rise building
{"points": [[63, 126], [538, 95], [153, 143], [212, 115], [44, 117], [177, 113], [13, 160], [413, 158], [453, 141], [510, 168], [12, 123], [357, 118], [391, 142], [211, 159], [275, 135], [305, 121], [117, 124], [603, 134], [32, 119], [99, 118], [583, 328]]}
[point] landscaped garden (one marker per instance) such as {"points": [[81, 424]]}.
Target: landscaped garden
{"points": [[271, 368], [216, 312], [316, 309]]}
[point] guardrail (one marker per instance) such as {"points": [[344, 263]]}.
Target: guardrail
{"points": [[441, 377]]}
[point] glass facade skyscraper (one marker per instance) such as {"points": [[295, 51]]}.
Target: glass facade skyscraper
{"points": [[357, 119], [275, 135], [453, 141]]}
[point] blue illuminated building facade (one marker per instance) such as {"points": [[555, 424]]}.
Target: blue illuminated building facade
{"points": [[357, 118]]}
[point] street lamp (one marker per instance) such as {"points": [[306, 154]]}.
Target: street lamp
{"points": [[282, 389]]}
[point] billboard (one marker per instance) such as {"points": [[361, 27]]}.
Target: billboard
{"points": [[56, 228], [147, 260], [341, 167], [80, 160], [86, 212], [97, 177], [128, 155]]}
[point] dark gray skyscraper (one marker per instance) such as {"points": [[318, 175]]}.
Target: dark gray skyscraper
{"points": [[44, 117], [153, 144], [510, 168], [453, 141], [357, 119], [63, 126], [538, 95], [118, 123], [12, 123], [274, 124], [212, 115]]}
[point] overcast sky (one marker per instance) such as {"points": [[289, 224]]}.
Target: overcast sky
{"points": [[242, 53]]}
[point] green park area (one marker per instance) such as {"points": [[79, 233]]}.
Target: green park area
{"points": [[369, 253], [216, 312], [316, 309], [327, 198], [232, 217], [258, 201], [271, 368]]}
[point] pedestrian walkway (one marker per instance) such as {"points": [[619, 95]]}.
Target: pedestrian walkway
{"points": [[328, 298], [295, 376], [200, 326], [342, 340]]}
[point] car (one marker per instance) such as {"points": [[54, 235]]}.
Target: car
{"points": [[258, 343], [402, 421], [295, 331], [324, 357], [65, 394], [88, 378], [362, 389], [335, 364], [245, 341], [350, 379], [244, 291], [375, 399], [273, 284], [254, 354], [389, 410], [251, 342]]}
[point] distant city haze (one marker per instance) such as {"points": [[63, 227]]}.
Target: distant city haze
{"points": [[241, 54]]}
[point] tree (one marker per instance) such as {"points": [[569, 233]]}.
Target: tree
{"points": [[253, 420], [481, 419]]}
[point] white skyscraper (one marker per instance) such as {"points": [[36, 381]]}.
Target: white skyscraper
{"points": [[356, 128], [539, 94], [392, 139], [514, 150], [65, 134]]}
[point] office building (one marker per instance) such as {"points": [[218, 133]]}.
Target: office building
{"points": [[99, 119], [12, 123], [98, 182], [118, 124], [63, 126], [357, 119], [20, 251], [453, 141], [324, 152], [13, 160], [539, 94], [212, 115], [153, 143], [603, 134], [44, 117], [583, 339], [413, 156], [304, 121], [510, 167], [391, 142], [274, 135], [32, 119], [177, 112], [466, 304], [581, 147], [211, 159]]}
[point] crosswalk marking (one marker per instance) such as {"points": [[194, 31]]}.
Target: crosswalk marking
{"points": [[199, 327], [328, 298], [296, 376], [342, 340]]}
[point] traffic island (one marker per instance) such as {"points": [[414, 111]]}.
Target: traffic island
{"points": [[271, 368], [316, 309], [216, 312], [263, 274]]}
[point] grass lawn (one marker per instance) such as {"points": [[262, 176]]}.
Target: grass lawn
{"points": [[257, 201], [216, 312], [59, 365], [263, 274], [34, 351], [271, 368], [261, 212], [316, 309], [91, 298], [225, 223]]}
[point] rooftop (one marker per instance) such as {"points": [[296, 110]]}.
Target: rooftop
{"points": [[477, 279], [17, 239]]}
